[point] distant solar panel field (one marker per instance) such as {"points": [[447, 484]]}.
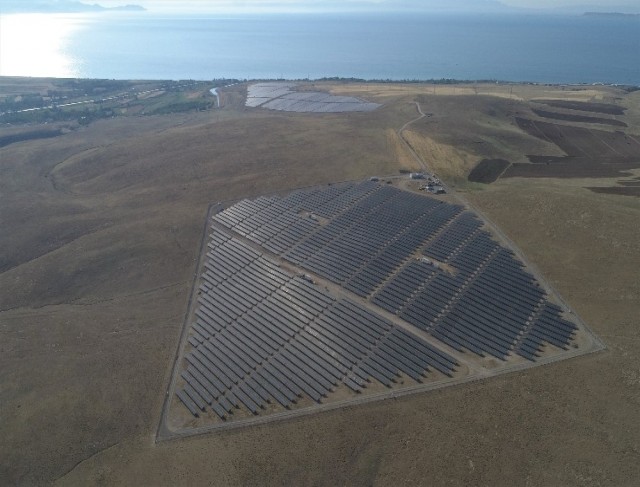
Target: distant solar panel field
{"points": [[281, 96], [349, 292]]}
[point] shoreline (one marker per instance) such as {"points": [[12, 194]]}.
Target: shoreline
{"points": [[337, 79]]}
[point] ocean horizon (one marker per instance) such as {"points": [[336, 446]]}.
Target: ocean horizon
{"points": [[514, 48]]}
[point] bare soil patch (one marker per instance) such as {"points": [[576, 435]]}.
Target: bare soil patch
{"points": [[590, 153], [577, 141], [29, 135], [578, 118], [572, 167], [585, 106], [619, 190], [452, 141], [488, 170]]}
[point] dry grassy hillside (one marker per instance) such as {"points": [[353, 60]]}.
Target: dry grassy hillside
{"points": [[102, 231]]}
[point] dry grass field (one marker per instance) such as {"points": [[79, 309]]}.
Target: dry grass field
{"points": [[101, 231]]}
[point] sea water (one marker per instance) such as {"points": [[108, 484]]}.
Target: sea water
{"points": [[535, 48]]}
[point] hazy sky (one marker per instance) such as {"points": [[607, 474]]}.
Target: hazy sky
{"points": [[228, 5], [311, 5]]}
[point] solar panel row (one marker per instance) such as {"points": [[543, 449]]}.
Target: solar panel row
{"points": [[454, 236], [366, 242], [311, 200], [277, 223], [386, 261], [547, 326]]}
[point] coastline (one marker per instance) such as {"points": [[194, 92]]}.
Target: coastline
{"points": [[395, 48]]}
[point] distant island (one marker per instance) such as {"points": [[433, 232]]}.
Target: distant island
{"points": [[609, 14], [63, 6]]}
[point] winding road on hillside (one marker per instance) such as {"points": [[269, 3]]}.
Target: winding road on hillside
{"points": [[406, 143]]}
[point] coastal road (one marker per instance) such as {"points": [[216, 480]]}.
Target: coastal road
{"points": [[122, 96]]}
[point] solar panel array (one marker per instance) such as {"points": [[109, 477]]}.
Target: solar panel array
{"points": [[281, 96], [427, 261], [263, 337]]}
